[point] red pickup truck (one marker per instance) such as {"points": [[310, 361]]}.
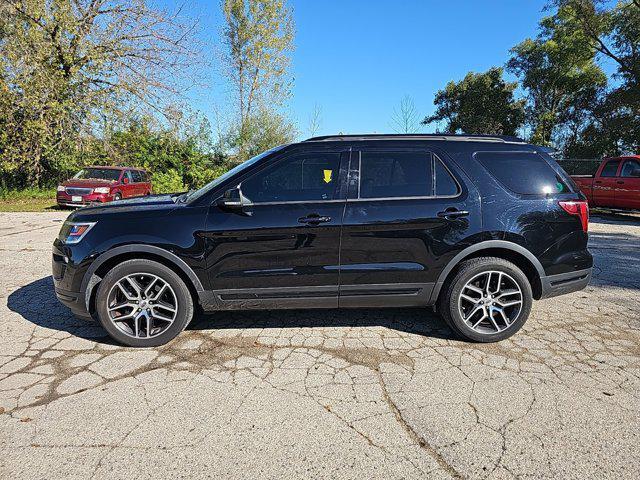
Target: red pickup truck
{"points": [[615, 185]]}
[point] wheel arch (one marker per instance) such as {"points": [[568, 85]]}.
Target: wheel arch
{"points": [[517, 254], [111, 258]]}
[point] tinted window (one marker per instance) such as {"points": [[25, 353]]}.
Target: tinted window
{"points": [[137, 176], [523, 172], [303, 178], [610, 169], [395, 174], [445, 184], [631, 168], [128, 176]]}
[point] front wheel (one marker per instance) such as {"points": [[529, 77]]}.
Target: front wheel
{"points": [[487, 300], [142, 303]]}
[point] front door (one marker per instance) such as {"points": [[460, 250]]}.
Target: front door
{"points": [[628, 185], [407, 215], [604, 186], [282, 249]]}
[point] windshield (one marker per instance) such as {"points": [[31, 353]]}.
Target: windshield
{"points": [[235, 170], [99, 174]]}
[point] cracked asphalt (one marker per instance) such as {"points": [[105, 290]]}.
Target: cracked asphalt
{"points": [[321, 394]]}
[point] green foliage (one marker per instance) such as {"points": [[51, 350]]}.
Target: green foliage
{"points": [[480, 103], [560, 75], [169, 181]]}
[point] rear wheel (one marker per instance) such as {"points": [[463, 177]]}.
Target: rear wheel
{"points": [[487, 300], [142, 303]]}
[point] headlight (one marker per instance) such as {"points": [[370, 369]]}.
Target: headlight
{"points": [[73, 232], [102, 190], [61, 188]]}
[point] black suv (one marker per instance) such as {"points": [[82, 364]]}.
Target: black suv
{"points": [[475, 226]]}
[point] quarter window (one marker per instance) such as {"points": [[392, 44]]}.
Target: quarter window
{"points": [[445, 184], [526, 173], [395, 174], [308, 177], [610, 169]]}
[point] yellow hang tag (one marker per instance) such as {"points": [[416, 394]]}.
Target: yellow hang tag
{"points": [[327, 176]]}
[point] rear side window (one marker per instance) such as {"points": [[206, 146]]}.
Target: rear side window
{"points": [[525, 173], [610, 169], [395, 174]]}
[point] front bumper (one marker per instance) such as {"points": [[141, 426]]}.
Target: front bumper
{"points": [[75, 301], [67, 280], [63, 199], [563, 283]]}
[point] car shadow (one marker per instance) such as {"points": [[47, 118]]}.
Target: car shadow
{"points": [[611, 218], [36, 302]]}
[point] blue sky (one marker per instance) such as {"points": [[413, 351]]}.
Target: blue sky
{"points": [[356, 59]]}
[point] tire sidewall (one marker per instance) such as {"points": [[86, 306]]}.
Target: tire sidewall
{"points": [[468, 273], [183, 296]]}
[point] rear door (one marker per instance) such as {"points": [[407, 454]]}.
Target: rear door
{"points": [[605, 185], [627, 194], [282, 249], [408, 213]]}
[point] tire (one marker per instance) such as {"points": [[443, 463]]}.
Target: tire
{"points": [[150, 276], [456, 300], [117, 197]]}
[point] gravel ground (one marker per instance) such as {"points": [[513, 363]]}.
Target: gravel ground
{"points": [[321, 394]]}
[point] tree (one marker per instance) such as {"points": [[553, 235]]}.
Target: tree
{"points": [[66, 65], [405, 118], [561, 78], [613, 32], [259, 39], [315, 120], [480, 103]]}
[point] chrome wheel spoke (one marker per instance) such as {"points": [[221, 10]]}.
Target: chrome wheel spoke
{"points": [[137, 302], [494, 293]]}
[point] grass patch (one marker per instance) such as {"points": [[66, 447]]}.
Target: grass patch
{"points": [[28, 200]]}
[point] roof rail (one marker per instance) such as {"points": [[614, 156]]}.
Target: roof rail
{"points": [[418, 136]]}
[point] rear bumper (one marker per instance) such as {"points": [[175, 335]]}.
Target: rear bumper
{"points": [[563, 283]]}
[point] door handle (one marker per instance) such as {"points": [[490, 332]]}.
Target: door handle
{"points": [[314, 219], [598, 181], [620, 182], [452, 214]]}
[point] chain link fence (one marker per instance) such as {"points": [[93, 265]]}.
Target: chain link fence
{"points": [[580, 166]]}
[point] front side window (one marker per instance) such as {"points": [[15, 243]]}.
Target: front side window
{"points": [[526, 173], [395, 174], [631, 168], [610, 169], [137, 176], [307, 177]]}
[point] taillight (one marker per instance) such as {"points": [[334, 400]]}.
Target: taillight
{"points": [[580, 209]]}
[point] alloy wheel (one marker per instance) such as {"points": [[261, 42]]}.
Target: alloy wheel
{"points": [[142, 305], [490, 302]]}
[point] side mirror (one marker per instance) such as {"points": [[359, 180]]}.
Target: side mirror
{"points": [[233, 200], [125, 180]]}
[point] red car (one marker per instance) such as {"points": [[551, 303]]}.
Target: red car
{"points": [[103, 184], [616, 184]]}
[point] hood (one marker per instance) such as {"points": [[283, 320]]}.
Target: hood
{"points": [[151, 205], [87, 182]]}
